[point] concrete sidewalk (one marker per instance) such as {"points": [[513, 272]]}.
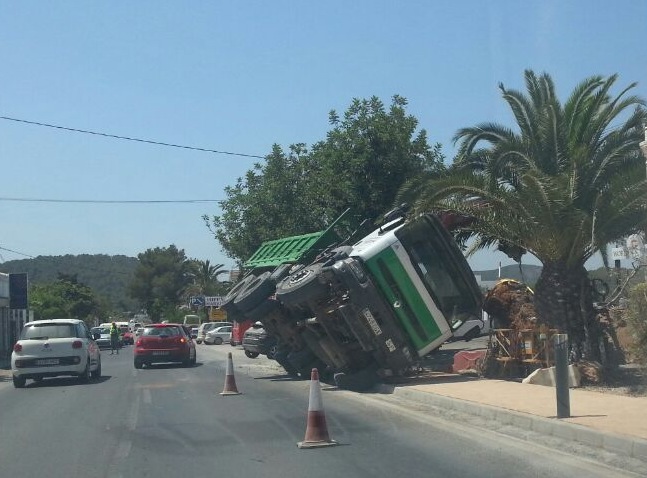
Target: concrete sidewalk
{"points": [[612, 422]]}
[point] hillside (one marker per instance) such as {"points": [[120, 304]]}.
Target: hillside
{"points": [[108, 276]]}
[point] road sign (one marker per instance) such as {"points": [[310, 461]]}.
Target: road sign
{"points": [[197, 301], [618, 253], [213, 301]]}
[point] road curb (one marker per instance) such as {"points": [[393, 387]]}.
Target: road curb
{"points": [[633, 447]]}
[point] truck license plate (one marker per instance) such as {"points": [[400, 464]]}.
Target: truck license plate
{"points": [[372, 322]]}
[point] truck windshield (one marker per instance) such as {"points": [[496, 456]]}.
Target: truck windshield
{"points": [[445, 272]]}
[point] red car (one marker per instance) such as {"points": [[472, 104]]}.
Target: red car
{"points": [[164, 343], [128, 338]]}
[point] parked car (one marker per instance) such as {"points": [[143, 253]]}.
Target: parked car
{"points": [[52, 348], [257, 341], [164, 343], [128, 338], [194, 332], [206, 327], [218, 336]]}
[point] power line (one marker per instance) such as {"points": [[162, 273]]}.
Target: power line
{"points": [[127, 138], [16, 252], [111, 201]]}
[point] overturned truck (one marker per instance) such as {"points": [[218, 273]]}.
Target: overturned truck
{"points": [[359, 309]]}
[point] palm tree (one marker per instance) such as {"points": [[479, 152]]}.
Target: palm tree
{"points": [[205, 277], [567, 184]]}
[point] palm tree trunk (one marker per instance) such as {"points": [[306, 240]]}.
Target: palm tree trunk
{"points": [[563, 300]]}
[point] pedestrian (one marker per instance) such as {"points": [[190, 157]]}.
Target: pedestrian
{"points": [[114, 338]]}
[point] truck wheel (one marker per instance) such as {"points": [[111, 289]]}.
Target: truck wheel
{"points": [[357, 381], [281, 356], [251, 354], [263, 309], [255, 292], [302, 286], [228, 301], [304, 361]]}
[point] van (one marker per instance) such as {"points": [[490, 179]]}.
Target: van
{"points": [[191, 320]]}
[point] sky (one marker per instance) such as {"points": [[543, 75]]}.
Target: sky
{"points": [[241, 76]]}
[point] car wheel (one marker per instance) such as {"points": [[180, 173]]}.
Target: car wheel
{"points": [[217, 341], [138, 363], [251, 354], [85, 375], [97, 373], [19, 382], [194, 359], [198, 341]]}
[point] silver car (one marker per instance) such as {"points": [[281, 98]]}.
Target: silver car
{"points": [[219, 335]]}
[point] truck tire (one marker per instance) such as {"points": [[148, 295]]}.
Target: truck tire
{"points": [[302, 286], [304, 361], [281, 356], [357, 381], [262, 310], [254, 292], [281, 272], [251, 354], [228, 301]]}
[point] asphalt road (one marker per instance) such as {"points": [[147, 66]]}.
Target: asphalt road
{"points": [[170, 421]]}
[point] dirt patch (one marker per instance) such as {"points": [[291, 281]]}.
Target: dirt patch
{"points": [[630, 380]]}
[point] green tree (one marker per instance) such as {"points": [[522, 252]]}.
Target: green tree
{"points": [[269, 202], [363, 161], [65, 298], [160, 280], [569, 182], [204, 276]]}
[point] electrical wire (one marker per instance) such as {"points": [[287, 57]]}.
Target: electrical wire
{"points": [[16, 252], [127, 138], [111, 201]]}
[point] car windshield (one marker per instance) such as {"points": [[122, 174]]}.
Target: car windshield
{"points": [[48, 330], [158, 331]]}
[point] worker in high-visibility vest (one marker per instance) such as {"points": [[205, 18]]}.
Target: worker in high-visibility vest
{"points": [[114, 338]]}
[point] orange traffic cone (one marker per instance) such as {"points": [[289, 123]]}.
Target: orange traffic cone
{"points": [[316, 429], [230, 380]]}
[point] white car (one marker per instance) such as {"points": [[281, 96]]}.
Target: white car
{"points": [[51, 348], [218, 336], [206, 327]]}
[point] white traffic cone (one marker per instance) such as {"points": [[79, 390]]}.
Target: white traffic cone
{"points": [[316, 428], [230, 380]]}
